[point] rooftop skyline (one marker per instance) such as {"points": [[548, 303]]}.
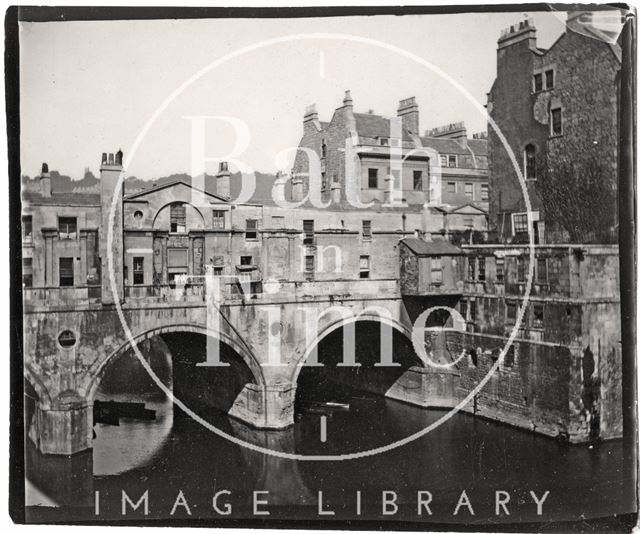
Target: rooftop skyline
{"points": [[90, 87]]}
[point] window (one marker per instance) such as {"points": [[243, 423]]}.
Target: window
{"points": [[541, 271], [67, 339], [522, 269], [27, 272], [472, 310], [453, 161], [537, 82], [307, 230], [366, 230], [468, 190], [417, 180], [538, 315], [138, 271], [512, 311], [27, 232], [218, 219], [530, 162], [255, 287], [451, 187], [66, 272], [137, 217], [251, 229], [67, 227], [463, 309], [500, 269], [548, 76], [217, 271], [373, 178], [324, 149], [471, 268], [178, 218], [443, 160], [364, 266], [323, 183], [556, 121], [384, 141], [520, 223], [309, 264], [481, 269], [177, 263], [246, 260], [484, 191], [436, 270]]}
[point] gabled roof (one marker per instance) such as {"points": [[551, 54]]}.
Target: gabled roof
{"points": [[467, 205], [152, 189], [420, 247]]}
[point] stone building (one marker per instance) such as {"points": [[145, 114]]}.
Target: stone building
{"points": [[387, 160], [558, 110]]}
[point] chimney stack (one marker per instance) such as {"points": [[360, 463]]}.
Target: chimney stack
{"points": [[455, 130], [524, 32], [409, 113], [347, 101], [110, 173], [45, 181], [223, 179]]}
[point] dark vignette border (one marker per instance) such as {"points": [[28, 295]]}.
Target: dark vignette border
{"points": [[627, 245]]}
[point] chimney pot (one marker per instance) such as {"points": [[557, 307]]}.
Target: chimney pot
{"points": [[104, 158], [119, 157], [45, 168], [348, 101]]}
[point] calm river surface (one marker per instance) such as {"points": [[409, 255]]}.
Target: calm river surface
{"points": [[174, 454]]}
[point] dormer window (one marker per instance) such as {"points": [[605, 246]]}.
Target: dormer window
{"points": [[453, 161]]}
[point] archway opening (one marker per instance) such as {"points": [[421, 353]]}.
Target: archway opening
{"points": [[135, 422], [376, 374]]}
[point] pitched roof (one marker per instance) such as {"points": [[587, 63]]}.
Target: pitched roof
{"points": [[420, 247], [153, 189], [66, 199], [445, 145], [370, 125]]}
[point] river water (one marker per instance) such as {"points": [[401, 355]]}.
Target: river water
{"points": [[175, 454]]}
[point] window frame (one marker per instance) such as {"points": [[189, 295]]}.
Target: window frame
{"points": [[552, 126], [372, 173], [417, 173], [251, 233], [435, 265], [546, 79], [472, 196], [366, 230], [174, 218], [538, 87], [454, 158], [365, 272], [500, 270], [471, 268], [27, 272], [309, 261], [219, 219], [482, 269], [70, 260], [484, 191], [529, 156], [308, 235], [540, 279], [137, 263], [455, 188], [27, 222], [67, 235]]}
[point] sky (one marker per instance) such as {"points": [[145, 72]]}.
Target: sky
{"points": [[92, 87]]}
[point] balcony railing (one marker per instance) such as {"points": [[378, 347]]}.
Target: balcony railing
{"points": [[167, 292]]}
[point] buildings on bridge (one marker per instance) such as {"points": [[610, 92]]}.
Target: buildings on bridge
{"points": [[561, 375]]}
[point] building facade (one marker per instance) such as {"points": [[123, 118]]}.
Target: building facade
{"points": [[558, 111]]}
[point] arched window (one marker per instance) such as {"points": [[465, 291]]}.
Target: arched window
{"points": [[178, 218], [530, 162]]}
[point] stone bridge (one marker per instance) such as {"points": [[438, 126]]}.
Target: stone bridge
{"points": [[70, 344]]}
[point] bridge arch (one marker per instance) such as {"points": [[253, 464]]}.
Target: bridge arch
{"points": [[95, 374], [366, 315]]}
